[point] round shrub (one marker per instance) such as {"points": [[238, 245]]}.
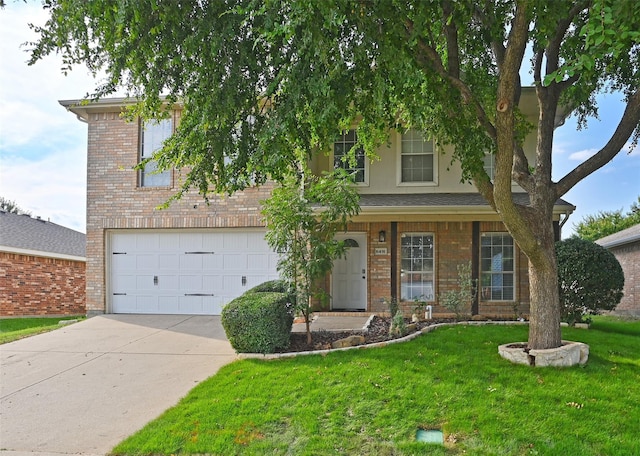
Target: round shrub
{"points": [[258, 322], [274, 286], [589, 277]]}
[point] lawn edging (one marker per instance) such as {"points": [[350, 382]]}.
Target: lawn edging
{"points": [[385, 343]]}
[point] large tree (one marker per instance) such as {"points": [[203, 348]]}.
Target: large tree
{"points": [[261, 78], [604, 223]]}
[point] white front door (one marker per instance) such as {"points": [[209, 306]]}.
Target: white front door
{"points": [[349, 275]]}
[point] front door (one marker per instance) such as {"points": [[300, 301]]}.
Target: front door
{"points": [[349, 275]]}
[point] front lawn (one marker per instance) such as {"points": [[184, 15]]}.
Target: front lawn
{"points": [[371, 402], [17, 328]]}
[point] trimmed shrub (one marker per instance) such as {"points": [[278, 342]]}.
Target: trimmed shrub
{"points": [[271, 286], [258, 322], [589, 277]]}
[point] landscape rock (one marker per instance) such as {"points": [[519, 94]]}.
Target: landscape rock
{"points": [[350, 341], [567, 355]]}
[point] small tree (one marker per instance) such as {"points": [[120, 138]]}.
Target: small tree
{"points": [[457, 300], [302, 218], [590, 279]]}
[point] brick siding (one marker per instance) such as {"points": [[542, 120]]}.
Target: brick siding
{"points": [[629, 258], [38, 286], [116, 202], [453, 246]]}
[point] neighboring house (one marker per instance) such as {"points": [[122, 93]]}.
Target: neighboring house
{"points": [[42, 267], [625, 245], [417, 223]]}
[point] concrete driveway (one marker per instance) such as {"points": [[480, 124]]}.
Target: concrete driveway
{"points": [[85, 387]]}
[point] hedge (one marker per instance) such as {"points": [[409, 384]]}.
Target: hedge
{"points": [[258, 322]]}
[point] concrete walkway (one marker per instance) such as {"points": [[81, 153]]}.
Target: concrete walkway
{"points": [[83, 388], [334, 323]]}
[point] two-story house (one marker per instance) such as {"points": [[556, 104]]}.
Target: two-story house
{"points": [[417, 223]]}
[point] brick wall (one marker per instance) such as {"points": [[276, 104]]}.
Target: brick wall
{"points": [[33, 285], [115, 201], [629, 258], [453, 246]]}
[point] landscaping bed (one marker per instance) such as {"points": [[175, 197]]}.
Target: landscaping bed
{"points": [[378, 331]]}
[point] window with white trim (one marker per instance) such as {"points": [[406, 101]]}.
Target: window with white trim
{"points": [[153, 134], [489, 160], [355, 164], [497, 267], [417, 274], [417, 158]]}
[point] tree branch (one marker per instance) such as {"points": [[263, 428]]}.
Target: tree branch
{"points": [[428, 57], [627, 125]]}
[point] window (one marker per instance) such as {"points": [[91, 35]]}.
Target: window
{"points": [[341, 158], [497, 267], [152, 136], [489, 164], [416, 267], [416, 158]]}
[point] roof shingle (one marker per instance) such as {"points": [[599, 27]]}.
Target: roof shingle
{"points": [[25, 232]]}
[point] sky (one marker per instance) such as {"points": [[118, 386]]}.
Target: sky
{"points": [[43, 147]]}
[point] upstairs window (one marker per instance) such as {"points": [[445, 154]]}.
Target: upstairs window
{"points": [[417, 158], [489, 164], [152, 135], [354, 165], [497, 267]]}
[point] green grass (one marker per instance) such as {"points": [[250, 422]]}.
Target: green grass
{"points": [[372, 401], [18, 328]]}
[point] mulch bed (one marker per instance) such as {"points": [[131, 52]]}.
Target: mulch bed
{"points": [[378, 332]]}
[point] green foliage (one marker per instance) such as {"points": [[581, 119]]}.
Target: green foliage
{"points": [[594, 227], [302, 217], [258, 322], [398, 326], [457, 301], [17, 328], [11, 207], [590, 279], [393, 306], [370, 402], [271, 286], [261, 81]]}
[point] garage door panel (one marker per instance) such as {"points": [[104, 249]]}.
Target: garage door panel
{"points": [[147, 241], [169, 261], [186, 272], [123, 262], [234, 262], [234, 241], [191, 262], [146, 261], [212, 262], [168, 282], [259, 262]]}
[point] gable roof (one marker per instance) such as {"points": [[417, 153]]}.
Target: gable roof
{"points": [[631, 234], [34, 236]]}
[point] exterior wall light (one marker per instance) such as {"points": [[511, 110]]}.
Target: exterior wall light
{"points": [[382, 236]]}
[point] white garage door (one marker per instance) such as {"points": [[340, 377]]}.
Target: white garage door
{"points": [[185, 272]]}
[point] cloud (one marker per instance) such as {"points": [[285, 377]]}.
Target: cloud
{"points": [[582, 155], [585, 154], [42, 147]]}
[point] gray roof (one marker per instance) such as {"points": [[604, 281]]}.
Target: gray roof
{"points": [[440, 200], [631, 234], [23, 232]]}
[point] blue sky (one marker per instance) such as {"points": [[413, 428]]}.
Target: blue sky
{"points": [[43, 147]]}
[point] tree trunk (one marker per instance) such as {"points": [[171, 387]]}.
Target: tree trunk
{"points": [[544, 325]]}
